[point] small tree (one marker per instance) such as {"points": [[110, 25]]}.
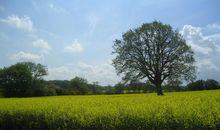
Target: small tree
{"points": [[155, 51]]}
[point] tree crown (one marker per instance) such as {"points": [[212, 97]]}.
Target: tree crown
{"points": [[155, 51]]}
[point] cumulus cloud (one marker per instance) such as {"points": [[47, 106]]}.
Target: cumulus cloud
{"points": [[23, 56], [23, 23], [75, 47], [43, 45], [103, 73], [206, 48]]}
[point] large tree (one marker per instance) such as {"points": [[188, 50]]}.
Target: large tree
{"points": [[22, 79], [154, 51], [37, 72], [16, 80]]}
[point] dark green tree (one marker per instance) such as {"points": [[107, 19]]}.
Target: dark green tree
{"points": [[23, 79], [197, 85], [212, 84], [203, 85], [79, 85], [16, 80], [119, 88], [154, 51], [37, 70]]}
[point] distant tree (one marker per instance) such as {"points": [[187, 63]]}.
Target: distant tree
{"points": [[108, 89], [149, 87], [203, 85], [45, 89], [79, 85], [155, 51], [136, 86], [173, 85], [197, 85], [119, 88], [211, 84], [95, 88], [1, 72], [61, 86]]}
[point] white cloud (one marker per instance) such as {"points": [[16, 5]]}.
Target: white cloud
{"points": [[43, 45], [75, 47], [206, 48], [207, 64], [213, 37], [23, 56], [93, 22], [192, 33], [200, 44], [214, 26], [24, 23], [103, 73], [200, 49], [58, 9]]}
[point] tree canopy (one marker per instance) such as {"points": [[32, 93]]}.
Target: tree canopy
{"points": [[80, 85], [154, 51], [22, 79]]}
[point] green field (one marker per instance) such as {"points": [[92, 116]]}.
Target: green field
{"points": [[179, 110]]}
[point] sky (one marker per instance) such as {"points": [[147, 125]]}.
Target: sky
{"points": [[75, 37]]}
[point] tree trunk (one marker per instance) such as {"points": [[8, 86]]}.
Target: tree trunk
{"points": [[159, 89]]}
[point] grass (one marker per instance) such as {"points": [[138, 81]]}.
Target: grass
{"points": [[176, 110]]}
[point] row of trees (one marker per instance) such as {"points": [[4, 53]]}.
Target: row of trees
{"points": [[26, 79], [80, 86], [148, 87]]}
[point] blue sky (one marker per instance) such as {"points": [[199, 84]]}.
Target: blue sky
{"points": [[75, 37]]}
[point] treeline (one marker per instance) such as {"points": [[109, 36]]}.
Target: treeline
{"points": [[147, 87], [26, 80]]}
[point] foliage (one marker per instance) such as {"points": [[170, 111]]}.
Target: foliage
{"points": [[63, 87], [119, 88], [155, 51], [37, 70], [79, 85], [23, 79], [16, 80], [182, 110], [203, 85]]}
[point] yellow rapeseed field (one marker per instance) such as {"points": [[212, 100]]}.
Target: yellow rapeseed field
{"points": [[177, 110]]}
